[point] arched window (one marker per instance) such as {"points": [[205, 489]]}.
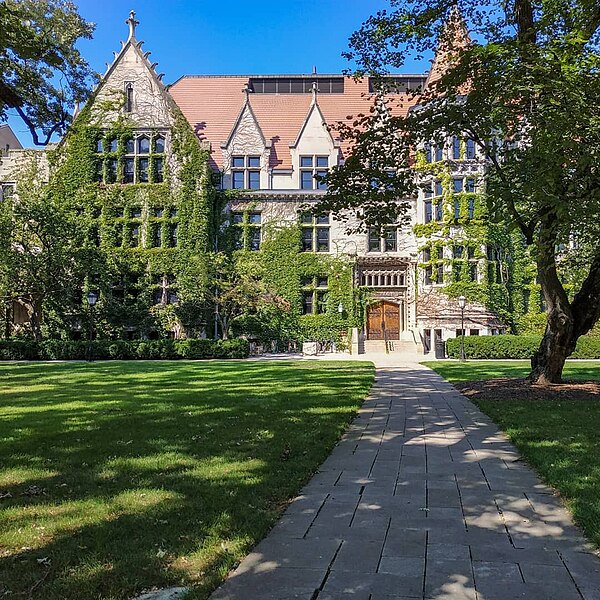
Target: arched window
{"points": [[128, 97], [143, 145], [159, 144]]}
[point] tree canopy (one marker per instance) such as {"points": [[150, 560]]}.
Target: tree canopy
{"points": [[524, 86], [42, 74]]}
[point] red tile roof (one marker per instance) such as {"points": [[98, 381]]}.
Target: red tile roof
{"points": [[212, 104]]}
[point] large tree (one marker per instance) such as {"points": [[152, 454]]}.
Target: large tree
{"points": [[42, 74], [524, 86]]}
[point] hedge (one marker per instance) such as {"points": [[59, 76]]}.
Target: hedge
{"points": [[123, 350], [514, 346]]}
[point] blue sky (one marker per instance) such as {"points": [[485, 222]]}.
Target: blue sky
{"points": [[228, 37]]}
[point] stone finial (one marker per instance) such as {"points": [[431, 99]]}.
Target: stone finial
{"points": [[132, 25], [315, 90], [246, 91]]}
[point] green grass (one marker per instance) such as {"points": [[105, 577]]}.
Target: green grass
{"points": [[559, 438], [155, 473]]}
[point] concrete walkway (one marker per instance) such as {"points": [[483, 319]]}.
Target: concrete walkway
{"points": [[422, 498]]}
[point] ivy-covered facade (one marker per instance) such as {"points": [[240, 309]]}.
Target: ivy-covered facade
{"points": [[161, 180]]}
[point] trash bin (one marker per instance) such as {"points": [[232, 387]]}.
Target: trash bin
{"points": [[440, 349]]}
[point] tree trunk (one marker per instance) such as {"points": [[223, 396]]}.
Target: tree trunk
{"points": [[36, 318]]}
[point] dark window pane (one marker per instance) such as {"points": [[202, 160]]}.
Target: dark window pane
{"points": [[337, 86], [473, 271], [471, 207], [237, 161], [390, 240], [457, 185], [143, 170], [129, 170], [129, 146], [158, 212], [321, 303], [112, 145], [470, 149], [237, 180], [374, 241], [112, 170], [173, 235], [307, 303], [439, 152], [307, 240], [306, 180], [428, 213], [99, 147], [158, 170], [455, 148], [321, 184], [254, 218], [428, 275], [143, 145], [322, 281], [297, 86], [157, 237], [254, 238], [322, 161], [172, 297], [426, 255], [237, 217], [159, 144], [457, 251], [439, 210], [428, 191], [136, 212], [135, 236], [254, 161], [456, 209], [238, 238], [128, 97], [306, 218], [173, 213], [428, 155], [473, 331], [306, 161], [322, 239], [438, 188], [440, 273], [470, 185], [270, 86], [323, 219], [254, 180]]}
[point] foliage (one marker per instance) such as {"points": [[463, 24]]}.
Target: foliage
{"points": [[23, 349], [159, 473], [514, 346], [39, 240], [525, 93], [42, 74]]}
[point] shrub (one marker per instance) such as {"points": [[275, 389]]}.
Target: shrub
{"points": [[123, 349], [514, 346]]}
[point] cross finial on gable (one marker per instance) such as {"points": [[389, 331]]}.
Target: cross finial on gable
{"points": [[246, 91], [132, 25], [315, 89]]}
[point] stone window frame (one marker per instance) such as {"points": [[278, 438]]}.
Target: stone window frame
{"points": [[314, 295], [247, 230], [311, 166], [164, 290], [314, 228], [377, 239], [245, 167]]}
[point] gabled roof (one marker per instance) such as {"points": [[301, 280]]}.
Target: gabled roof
{"points": [[213, 104], [246, 108], [313, 107]]}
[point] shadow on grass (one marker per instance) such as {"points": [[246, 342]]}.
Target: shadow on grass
{"points": [[131, 475]]}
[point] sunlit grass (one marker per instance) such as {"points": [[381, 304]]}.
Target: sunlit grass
{"points": [[132, 475], [559, 438]]}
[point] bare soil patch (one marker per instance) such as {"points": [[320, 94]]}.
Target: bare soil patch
{"points": [[517, 388]]}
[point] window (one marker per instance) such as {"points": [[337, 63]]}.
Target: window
{"points": [[470, 185], [439, 151], [439, 210], [310, 168], [471, 207], [134, 236], [456, 208], [460, 332], [136, 212], [157, 236], [165, 291], [128, 97], [440, 273], [6, 191], [428, 153], [457, 252], [315, 232], [473, 271], [314, 295], [427, 191], [246, 230], [383, 241], [470, 149], [245, 172], [173, 231], [457, 185], [438, 188], [139, 164], [455, 148], [428, 275], [428, 212], [473, 331]]}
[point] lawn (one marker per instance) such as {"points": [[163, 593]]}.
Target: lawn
{"points": [[116, 477], [559, 438]]}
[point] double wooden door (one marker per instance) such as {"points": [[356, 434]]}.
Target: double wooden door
{"points": [[383, 321]]}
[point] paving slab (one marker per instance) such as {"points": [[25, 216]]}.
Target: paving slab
{"points": [[422, 498]]}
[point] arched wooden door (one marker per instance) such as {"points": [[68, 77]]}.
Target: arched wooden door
{"points": [[383, 321]]}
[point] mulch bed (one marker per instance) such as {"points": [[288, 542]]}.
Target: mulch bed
{"points": [[513, 388]]}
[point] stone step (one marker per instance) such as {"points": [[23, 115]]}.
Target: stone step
{"points": [[402, 346]]}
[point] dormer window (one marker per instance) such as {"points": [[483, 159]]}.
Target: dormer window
{"points": [[310, 168], [245, 172], [128, 97]]}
